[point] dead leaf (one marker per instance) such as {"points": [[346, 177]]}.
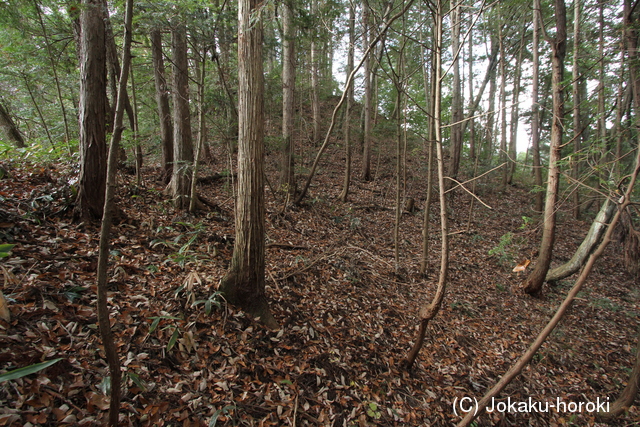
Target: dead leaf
{"points": [[522, 266], [5, 314]]}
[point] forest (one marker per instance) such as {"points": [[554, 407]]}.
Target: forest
{"points": [[319, 213]]}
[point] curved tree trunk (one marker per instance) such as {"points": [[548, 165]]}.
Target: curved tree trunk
{"points": [[522, 362], [110, 348], [598, 227], [533, 284], [429, 312]]}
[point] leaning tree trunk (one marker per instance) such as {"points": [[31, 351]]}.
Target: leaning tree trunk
{"points": [[244, 284], [179, 187], [528, 355], [533, 284], [8, 125], [598, 227], [92, 112], [629, 393]]}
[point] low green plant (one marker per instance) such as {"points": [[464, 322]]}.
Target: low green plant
{"points": [[176, 329], [27, 370], [181, 243], [503, 250], [373, 411], [215, 299]]}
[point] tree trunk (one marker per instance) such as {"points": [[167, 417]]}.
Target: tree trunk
{"points": [[628, 395], [533, 284], [577, 128], [9, 127], [244, 283], [489, 131], [180, 184], [92, 112], [515, 112], [503, 110], [344, 195], [429, 312], [535, 113], [104, 323], [455, 149], [430, 95], [54, 70], [522, 362], [114, 71], [136, 129], [201, 67], [287, 177], [472, 127], [366, 153], [315, 97], [162, 99], [598, 227]]}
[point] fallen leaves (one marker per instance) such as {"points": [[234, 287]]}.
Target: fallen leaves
{"points": [[347, 319]]}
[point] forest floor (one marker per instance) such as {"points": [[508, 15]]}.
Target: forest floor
{"points": [[347, 317]]}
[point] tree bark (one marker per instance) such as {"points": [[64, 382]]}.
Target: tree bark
{"points": [[344, 195], [180, 184], [104, 323], [92, 112], [9, 126], [515, 112], [455, 150], [287, 177], [522, 362], [315, 96], [503, 110], [597, 229], [244, 283], [366, 149], [533, 284], [577, 127], [162, 99], [535, 108], [429, 312]]}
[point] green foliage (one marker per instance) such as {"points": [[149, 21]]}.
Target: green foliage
{"points": [[373, 411], [172, 326], [215, 299], [182, 242], [27, 370], [223, 411], [504, 249], [5, 249]]}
